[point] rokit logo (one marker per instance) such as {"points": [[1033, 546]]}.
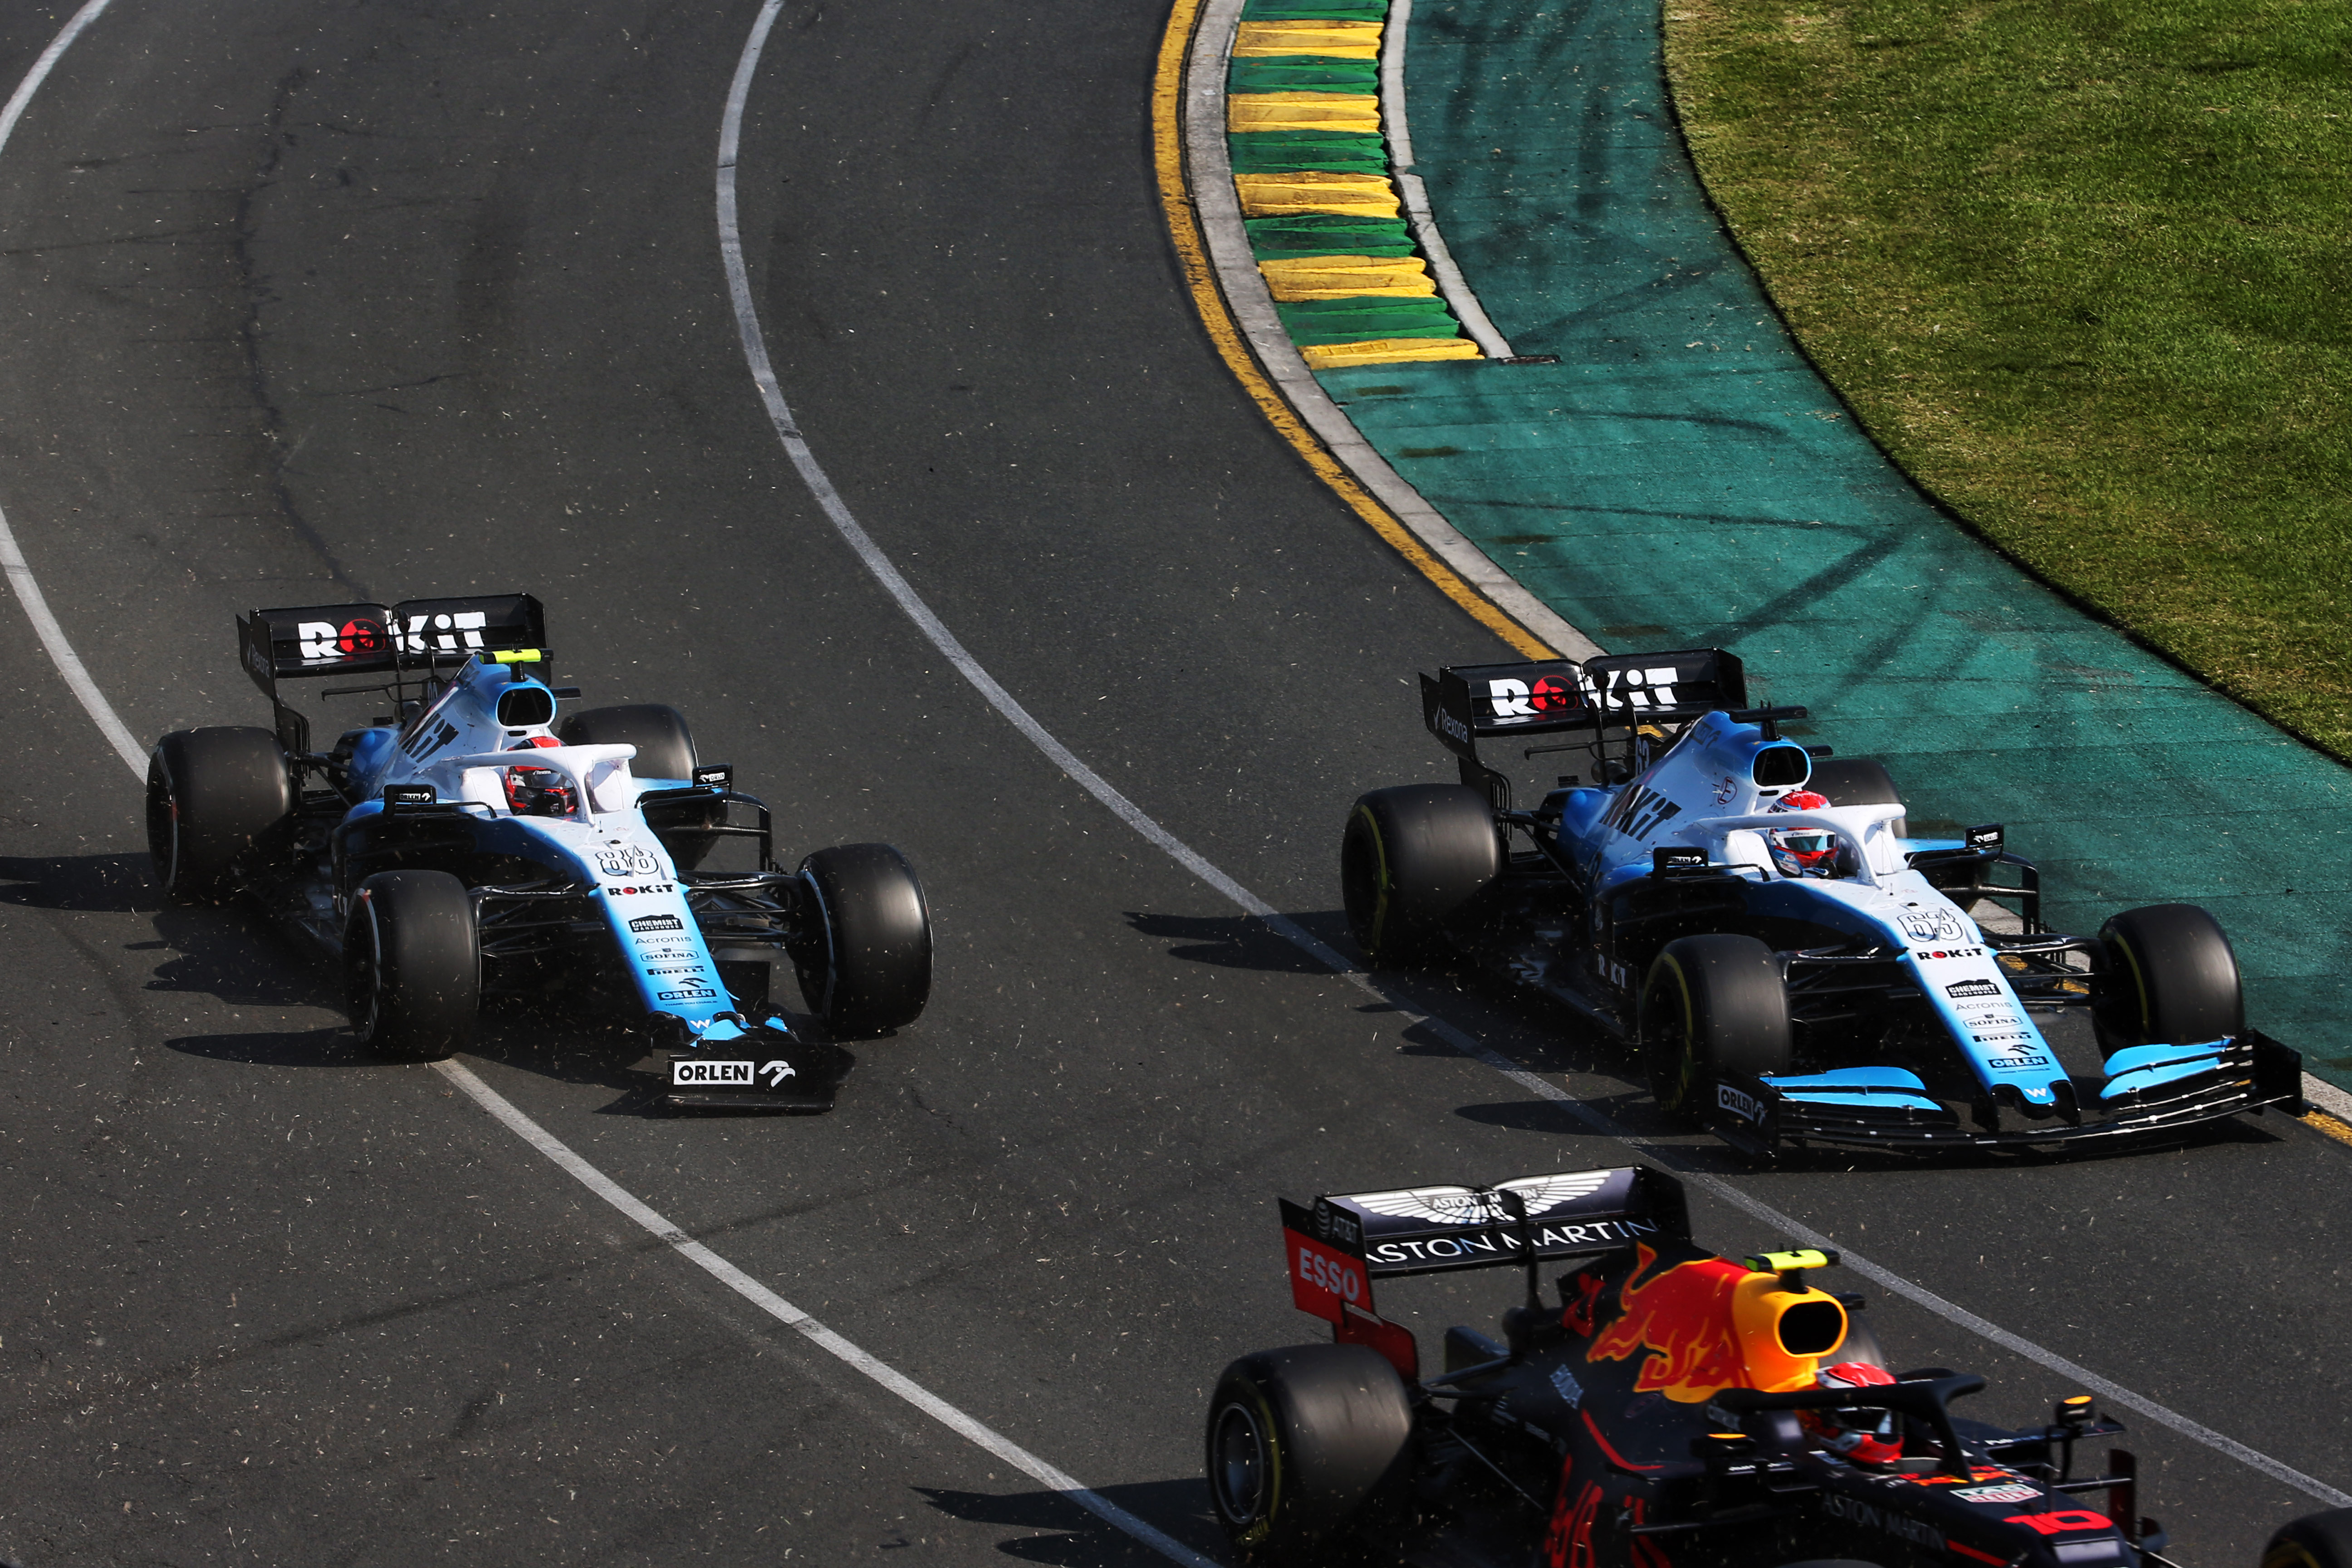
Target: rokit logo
{"points": [[444, 634], [1640, 687], [428, 739], [1738, 1103], [1961, 990], [656, 922], [324, 639], [648, 887], [1925, 956], [1549, 696], [1640, 811], [626, 860]]}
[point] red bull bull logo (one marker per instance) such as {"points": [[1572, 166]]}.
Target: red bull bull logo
{"points": [[1683, 1320]]}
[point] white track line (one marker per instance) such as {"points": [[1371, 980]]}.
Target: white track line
{"points": [[791, 1316], [755, 354], [1450, 281], [110, 724]]}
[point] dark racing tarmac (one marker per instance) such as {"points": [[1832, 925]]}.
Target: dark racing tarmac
{"points": [[383, 299]]}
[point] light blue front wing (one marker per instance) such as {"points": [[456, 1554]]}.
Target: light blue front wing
{"points": [[1879, 1087], [2139, 1067]]}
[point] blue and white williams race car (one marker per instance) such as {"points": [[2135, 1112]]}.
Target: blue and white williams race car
{"points": [[464, 845], [1790, 965]]}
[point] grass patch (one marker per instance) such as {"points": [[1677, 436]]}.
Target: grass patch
{"points": [[2085, 270]]}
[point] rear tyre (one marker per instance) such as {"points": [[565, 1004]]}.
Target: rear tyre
{"points": [[1411, 857], [213, 795], [412, 969], [2172, 979], [867, 968], [1856, 781], [665, 750], [1711, 1004], [2315, 1541], [1302, 1442]]}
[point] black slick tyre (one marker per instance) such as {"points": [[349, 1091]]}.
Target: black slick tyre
{"points": [[2315, 1541], [1411, 857], [216, 799], [412, 969], [664, 751], [866, 969], [2172, 980], [1301, 1443], [1711, 1004]]}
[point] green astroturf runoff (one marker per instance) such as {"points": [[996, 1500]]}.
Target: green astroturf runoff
{"points": [[1682, 478]]}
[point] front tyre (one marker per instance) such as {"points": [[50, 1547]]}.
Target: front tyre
{"points": [[412, 969], [1711, 1004], [1301, 1442], [2315, 1541], [2172, 978], [867, 969], [1411, 857], [213, 795]]}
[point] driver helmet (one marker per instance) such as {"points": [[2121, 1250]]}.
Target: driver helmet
{"points": [[539, 791], [1808, 852], [1860, 1433]]}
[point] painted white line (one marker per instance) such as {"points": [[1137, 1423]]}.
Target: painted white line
{"points": [[20, 575], [1417, 215], [816, 1333], [1210, 171], [755, 353]]}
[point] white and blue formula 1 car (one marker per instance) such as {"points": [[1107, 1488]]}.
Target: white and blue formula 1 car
{"points": [[1753, 918], [465, 845]]}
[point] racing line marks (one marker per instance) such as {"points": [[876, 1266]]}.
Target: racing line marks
{"points": [[755, 352], [110, 725]]}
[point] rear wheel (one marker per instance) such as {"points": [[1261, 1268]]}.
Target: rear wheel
{"points": [[2315, 1541], [1413, 856], [412, 971], [213, 796], [1301, 1443], [2172, 979], [665, 750], [1711, 1004], [867, 969]]}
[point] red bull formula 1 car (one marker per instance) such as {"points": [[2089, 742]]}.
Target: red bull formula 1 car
{"points": [[1790, 965], [464, 845], [1668, 1408]]}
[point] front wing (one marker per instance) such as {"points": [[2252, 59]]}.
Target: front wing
{"points": [[2254, 1074]]}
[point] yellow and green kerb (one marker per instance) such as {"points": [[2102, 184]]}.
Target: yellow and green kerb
{"points": [[1303, 124]]}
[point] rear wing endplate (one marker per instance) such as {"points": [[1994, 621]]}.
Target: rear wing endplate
{"points": [[368, 639]]}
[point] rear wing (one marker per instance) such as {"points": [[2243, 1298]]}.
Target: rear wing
{"points": [[371, 639], [1337, 1247], [1466, 703]]}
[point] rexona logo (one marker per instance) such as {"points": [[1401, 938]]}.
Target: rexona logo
{"points": [[1738, 1104], [1452, 726], [1961, 990], [626, 860], [682, 1072], [657, 922]]}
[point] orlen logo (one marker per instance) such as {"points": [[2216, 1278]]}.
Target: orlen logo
{"points": [[1550, 694], [1738, 1103], [324, 639]]}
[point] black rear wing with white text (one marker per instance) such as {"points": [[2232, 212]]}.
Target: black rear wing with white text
{"points": [[371, 639], [1466, 703], [1430, 1230]]}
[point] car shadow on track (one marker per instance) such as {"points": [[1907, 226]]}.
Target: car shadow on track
{"points": [[1178, 1507], [83, 884], [1242, 942]]}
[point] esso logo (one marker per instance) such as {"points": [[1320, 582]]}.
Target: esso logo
{"points": [[1327, 1273]]}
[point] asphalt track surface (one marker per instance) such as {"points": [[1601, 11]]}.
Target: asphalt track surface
{"points": [[309, 301]]}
